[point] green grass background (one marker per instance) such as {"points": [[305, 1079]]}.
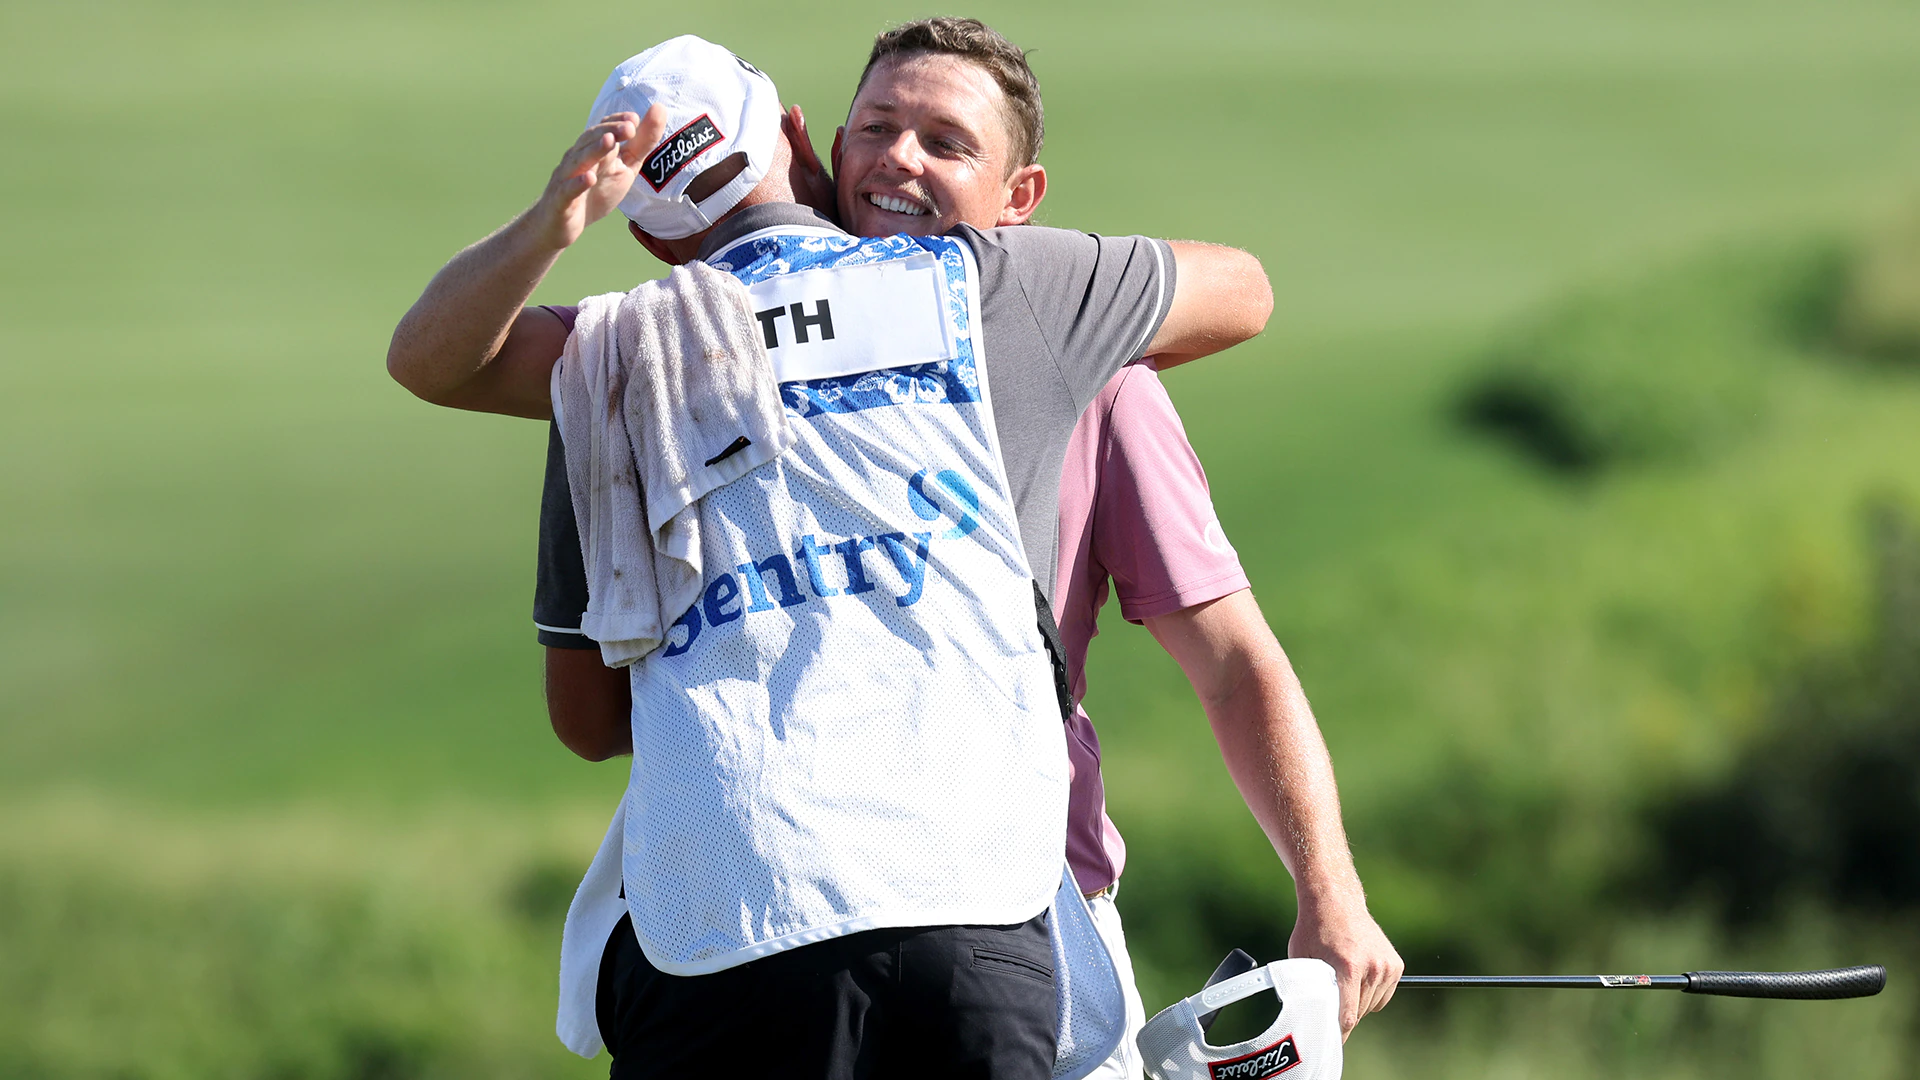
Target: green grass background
{"points": [[276, 793]]}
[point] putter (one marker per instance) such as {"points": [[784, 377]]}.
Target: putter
{"points": [[1853, 982]]}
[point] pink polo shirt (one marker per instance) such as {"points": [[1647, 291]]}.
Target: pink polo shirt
{"points": [[1134, 509]]}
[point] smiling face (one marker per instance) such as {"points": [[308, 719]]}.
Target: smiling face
{"points": [[927, 146]]}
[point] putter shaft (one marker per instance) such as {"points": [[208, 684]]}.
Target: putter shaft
{"points": [[1864, 981], [1550, 982]]}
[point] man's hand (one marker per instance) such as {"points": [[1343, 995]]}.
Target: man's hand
{"points": [[469, 342], [1366, 964], [595, 174]]}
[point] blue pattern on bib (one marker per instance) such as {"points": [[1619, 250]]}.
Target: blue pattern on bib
{"points": [[948, 382]]}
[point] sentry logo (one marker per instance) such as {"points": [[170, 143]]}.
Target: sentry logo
{"points": [[821, 569], [680, 148], [1260, 1064]]}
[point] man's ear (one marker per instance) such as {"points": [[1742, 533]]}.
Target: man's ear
{"points": [[1025, 188], [654, 245], [839, 133]]}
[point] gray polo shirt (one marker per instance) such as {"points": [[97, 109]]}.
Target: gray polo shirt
{"points": [[1060, 313]]}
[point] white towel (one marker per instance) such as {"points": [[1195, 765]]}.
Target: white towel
{"points": [[662, 395]]}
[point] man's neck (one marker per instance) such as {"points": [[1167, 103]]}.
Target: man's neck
{"points": [[747, 219]]}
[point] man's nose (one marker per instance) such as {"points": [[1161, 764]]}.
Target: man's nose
{"points": [[905, 153]]}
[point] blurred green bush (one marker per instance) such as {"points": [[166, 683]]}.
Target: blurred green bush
{"points": [[1804, 853], [1824, 807], [185, 959], [1803, 850], [1658, 370]]}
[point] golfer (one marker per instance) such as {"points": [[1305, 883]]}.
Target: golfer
{"points": [[840, 867], [1134, 516]]}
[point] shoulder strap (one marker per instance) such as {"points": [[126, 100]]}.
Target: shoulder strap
{"points": [[1050, 630]]}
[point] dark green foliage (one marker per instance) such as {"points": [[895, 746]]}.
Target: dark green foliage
{"points": [[1661, 370], [1826, 805]]}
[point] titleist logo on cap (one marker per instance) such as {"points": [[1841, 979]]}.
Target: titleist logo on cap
{"points": [[680, 148], [1260, 1064]]}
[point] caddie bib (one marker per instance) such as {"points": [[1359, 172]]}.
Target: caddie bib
{"points": [[855, 726]]}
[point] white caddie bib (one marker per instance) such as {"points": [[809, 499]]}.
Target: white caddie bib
{"points": [[855, 726]]}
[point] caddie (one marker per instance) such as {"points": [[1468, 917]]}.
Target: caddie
{"points": [[844, 833], [1134, 517]]}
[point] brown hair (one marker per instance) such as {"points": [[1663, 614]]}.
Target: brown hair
{"points": [[971, 39]]}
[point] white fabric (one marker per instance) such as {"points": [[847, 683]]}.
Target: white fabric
{"points": [[1124, 1063], [652, 385], [591, 918], [856, 725], [717, 105], [1303, 1042]]}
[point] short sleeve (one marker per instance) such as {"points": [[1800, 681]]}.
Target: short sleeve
{"points": [[560, 583], [1155, 530], [1098, 300]]}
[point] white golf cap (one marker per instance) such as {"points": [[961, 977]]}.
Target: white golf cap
{"points": [[717, 105], [1302, 1043]]}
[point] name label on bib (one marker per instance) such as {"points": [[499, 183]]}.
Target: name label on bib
{"points": [[822, 324]]}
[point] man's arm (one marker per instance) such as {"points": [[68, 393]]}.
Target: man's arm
{"points": [[588, 703], [1277, 758], [1221, 297], [469, 342]]}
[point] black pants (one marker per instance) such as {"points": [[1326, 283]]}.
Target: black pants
{"points": [[928, 1002]]}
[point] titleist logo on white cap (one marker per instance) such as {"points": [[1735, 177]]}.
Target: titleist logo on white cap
{"points": [[680, 148], [1260, 1064]]}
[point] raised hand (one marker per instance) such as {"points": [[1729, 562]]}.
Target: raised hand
{"points": [[595, 174]]}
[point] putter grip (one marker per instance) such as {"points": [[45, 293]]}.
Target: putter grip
{"points": [[1850, 982]]}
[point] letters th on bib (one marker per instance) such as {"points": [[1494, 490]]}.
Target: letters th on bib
{"points": [[822, 324]]}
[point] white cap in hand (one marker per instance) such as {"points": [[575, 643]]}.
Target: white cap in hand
{"points": [[1302, 1043]]}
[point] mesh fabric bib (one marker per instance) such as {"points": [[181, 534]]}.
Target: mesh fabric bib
{"points": [[856, 726]]}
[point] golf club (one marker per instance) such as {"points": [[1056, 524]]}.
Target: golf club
{"points": [[1852, 982]]}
